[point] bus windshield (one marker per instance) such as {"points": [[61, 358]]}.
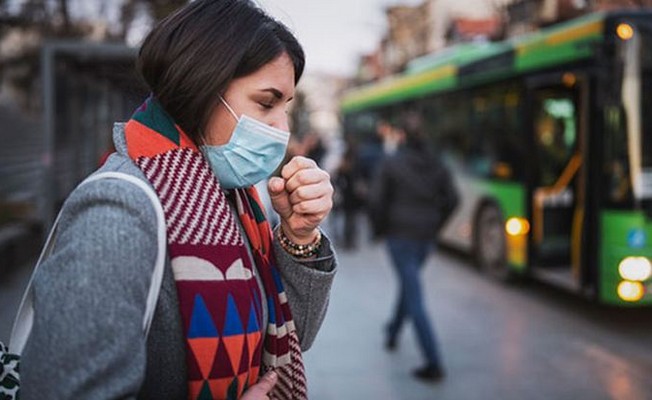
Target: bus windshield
{"points": [[646, 111], [629, 125]]}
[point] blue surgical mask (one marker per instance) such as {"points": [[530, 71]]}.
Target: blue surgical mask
{"points": [[252, 154]]}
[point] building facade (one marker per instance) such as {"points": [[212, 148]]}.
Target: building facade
{"points": [[413, 31], [524, 16]]}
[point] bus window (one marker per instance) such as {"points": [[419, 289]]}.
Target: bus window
{"points": [[555, 134], [616, 166], [447, 123], [497, 132]]}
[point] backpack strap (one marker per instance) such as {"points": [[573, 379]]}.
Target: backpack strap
{"points": [[25, 317]]}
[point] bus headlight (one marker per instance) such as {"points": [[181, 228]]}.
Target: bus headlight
{"points": [[635, 268], [517, 226], [631, 291], [625, 31]]}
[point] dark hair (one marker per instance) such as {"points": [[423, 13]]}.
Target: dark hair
{"points": [[191, 56], [411, 122]]}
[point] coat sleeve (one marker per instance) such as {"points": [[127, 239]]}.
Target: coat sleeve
{"points": [[87, 341], [307, 285]]}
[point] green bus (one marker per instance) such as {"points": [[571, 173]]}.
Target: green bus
{"points": [[549, 137]]}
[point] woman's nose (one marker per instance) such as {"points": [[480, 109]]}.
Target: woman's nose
{"points": [[281, 121]]}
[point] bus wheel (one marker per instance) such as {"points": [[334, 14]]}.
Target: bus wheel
{"points": [[489, 243]]}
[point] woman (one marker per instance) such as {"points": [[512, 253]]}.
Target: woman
{"points": [[409, 202], [221, 74]]}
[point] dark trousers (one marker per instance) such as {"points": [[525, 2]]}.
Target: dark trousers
{"points": [[408, 257], [350, 227]]}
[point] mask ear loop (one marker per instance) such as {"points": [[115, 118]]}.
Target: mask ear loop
{"points": [[228, 107], [202, 139]]}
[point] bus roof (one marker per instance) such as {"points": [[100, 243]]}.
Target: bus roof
{"points": [[482, 62]]}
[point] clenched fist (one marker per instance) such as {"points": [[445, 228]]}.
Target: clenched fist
{"points": [[302, 197]]}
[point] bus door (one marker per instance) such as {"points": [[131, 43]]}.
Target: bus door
{"points": [[555, 190]]}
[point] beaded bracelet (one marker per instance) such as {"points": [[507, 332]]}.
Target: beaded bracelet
{"points": [[299, 250]]}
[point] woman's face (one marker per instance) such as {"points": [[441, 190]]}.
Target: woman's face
{"points": [[263, 95]]}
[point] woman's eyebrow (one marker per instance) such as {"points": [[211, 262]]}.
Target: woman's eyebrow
{"points": [[277, 93]]}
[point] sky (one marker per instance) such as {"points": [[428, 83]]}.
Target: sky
{"points": [[334, 33]]}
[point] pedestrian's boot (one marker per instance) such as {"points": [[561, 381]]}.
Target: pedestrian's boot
{"points": [[430, 373]]}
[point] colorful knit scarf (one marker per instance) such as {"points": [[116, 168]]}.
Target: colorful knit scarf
{"points": [[219, 298]]}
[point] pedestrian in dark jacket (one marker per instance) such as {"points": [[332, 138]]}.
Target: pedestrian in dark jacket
{"points": [[411, 197]]}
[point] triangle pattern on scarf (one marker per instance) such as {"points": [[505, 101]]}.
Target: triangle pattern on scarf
{"points": [[242, 381], [244, 359], [252, 324], [253, 340], [201, 322], [233, 324], [205, 393], [195, 389], [194, 372], [232, 393], [222, 367], [204, 350], [220, 387], [234, 348]]}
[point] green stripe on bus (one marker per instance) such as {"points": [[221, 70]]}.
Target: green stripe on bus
{"points": [[438, 72], [401, 91], [548, 56]]}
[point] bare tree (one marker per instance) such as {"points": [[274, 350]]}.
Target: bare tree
{"points": [[127, 16], [65, 15]]}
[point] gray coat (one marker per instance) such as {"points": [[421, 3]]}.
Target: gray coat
{"points": [[90, 298]]}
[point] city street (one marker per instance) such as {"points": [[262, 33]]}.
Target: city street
{"points": [[520, 129], [524, 341]]}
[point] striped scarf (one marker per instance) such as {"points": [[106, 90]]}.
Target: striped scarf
{"points": [[219, 298]]}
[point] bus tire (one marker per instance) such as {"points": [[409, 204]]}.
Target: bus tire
{"points": [[490, 243]]}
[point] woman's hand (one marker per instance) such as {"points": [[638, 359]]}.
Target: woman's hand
{"points": [[302, 197], [260, 390]]}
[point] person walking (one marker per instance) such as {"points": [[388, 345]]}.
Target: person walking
{"points": [[348, 184], [411, 197], [239, 302]]}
